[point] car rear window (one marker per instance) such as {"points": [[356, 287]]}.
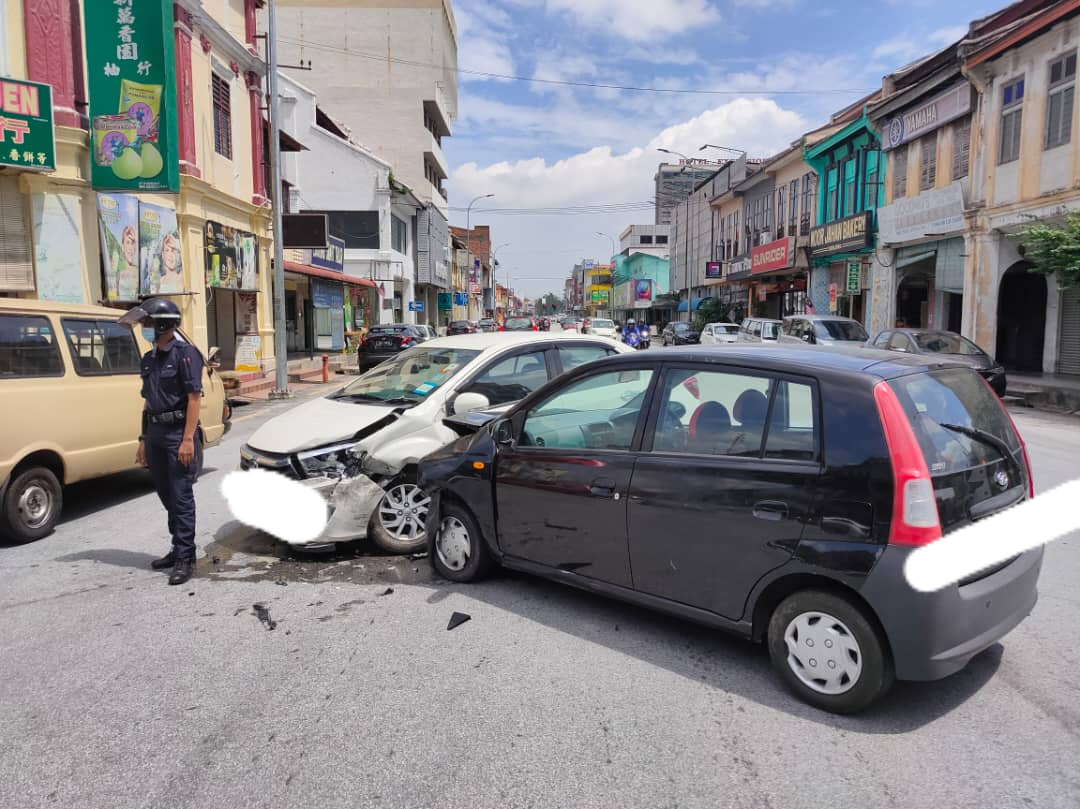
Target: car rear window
{"points": [[387, 329], [459, 324], [518, 321], [954, 396], [841, 330]]}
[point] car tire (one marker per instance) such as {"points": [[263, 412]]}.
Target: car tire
{"points": [[32, 504], [458, 551], [401, 494], [854, 658]]}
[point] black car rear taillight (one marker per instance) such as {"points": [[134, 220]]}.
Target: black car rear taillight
{"points": [[915, 519]]}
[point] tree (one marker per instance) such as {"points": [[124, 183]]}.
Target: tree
{"points": [[1055, 250], [711, 311]]}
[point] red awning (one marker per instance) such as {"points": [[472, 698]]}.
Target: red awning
{"points": [[319, 272]]}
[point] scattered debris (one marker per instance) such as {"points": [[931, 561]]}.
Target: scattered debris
{"points": [[282, 582], [216, 560], [191, 593], [415, 556], [457, 619], [387, 591], [263, 614], [238, 611]]}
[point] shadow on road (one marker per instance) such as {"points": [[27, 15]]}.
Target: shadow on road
{"points": [[111, 556], [723, 662]]}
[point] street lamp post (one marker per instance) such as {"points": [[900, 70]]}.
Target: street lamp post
{"points": [[281, 358], [493, 284], [608, 236], [468, 230]]}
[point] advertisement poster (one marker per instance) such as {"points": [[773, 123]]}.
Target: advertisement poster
{"points": [[231, 257], [247, 313], [118, 221], [159, 251], [27, 136], [131, 71], [248, 353], [643, 289], [58, 259]]}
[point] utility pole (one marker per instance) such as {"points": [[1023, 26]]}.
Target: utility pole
{"points": [[468, 242], [281, 358]]}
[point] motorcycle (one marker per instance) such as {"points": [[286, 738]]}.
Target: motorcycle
{"points": [[631, 339], [644, 338]]}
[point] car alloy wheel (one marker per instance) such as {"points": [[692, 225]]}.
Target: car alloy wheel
{"points": [[35, 505], [823, 653], [403, 510], [453, 543]]}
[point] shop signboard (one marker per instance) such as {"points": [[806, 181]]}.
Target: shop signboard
{"points": [[713, 269], [643, 293], [936, 212], [776, 255], [247, 312], [833, 293], [601, 296], [248, 353], [27, 132], [854, 277], [131, 71], [461, 299], [929, 115], [326, 294], [118, 224], [231, 257], [738, 269], [842, 236], [331, 257], [162, 264], [446, 301], [416, 306]]}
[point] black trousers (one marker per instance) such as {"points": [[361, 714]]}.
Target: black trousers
{"points": [[174, 481]]}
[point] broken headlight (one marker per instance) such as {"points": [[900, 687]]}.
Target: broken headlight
{"points": [[335, 461]]}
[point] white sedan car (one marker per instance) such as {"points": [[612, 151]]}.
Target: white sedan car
{"points": [[602, 327], [360, 445], [718, 333]]}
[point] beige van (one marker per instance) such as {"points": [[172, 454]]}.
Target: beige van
{"points": [[70, 405]]}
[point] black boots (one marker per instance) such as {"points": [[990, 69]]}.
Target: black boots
{"points": [[165, 562], [182, 571]]}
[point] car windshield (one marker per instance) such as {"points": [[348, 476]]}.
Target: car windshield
{"points": [[602, 324], [725, 328], [517, 322], [959, 398], [410, 376], [841, 330], [946, 343], [680, 326]]}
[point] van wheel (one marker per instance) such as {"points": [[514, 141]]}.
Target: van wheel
{"points": [[397, 525], [828, 652], [32, 504]]}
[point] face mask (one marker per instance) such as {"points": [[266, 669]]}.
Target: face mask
{"points": [[149, 333]]}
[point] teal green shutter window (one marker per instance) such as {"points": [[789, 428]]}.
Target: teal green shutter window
{"points": [[872, 182], [830, 200], [849, 187]]}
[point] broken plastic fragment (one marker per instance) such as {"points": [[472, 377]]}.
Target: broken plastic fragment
{"points": [[387, 591], [457, 619], [263, 614]]}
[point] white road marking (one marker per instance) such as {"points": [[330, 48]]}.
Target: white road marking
{"points": [[993, 540]]}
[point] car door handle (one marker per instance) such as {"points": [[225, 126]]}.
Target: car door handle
{"points": [[770, 510], [602, 487]]}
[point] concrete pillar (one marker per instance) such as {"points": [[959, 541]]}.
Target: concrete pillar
{"points": [[882, 291], [1050, 340], [984, 301]]}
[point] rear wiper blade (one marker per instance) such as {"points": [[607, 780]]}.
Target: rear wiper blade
{"points": [[989, 439]]}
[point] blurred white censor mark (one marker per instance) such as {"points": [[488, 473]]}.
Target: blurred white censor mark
{"points": [[993, 540], [271, 502]]}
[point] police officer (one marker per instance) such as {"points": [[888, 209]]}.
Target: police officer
{"points": [[170, 443]]}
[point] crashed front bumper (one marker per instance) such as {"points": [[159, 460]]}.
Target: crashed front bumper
{"points": [[350, 502]]}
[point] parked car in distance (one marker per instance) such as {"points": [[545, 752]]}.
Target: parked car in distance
{"points": [[759, 330], [571, 324], [487, 324], [822, 330], [945, 344], [387, 340], [70, 381], [678, 333], [771, 491], [520, 324], [460, 327], [719, 333], [602, 327], [426, 331], [369, 435]]}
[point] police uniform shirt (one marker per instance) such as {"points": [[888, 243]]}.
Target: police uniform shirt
{"points": [[169, 375]]}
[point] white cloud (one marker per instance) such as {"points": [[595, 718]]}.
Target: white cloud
{"points": [[765, 3], [485, 56], [545, 247], [899, 47], [640, 20], [948, 35], [484, 32]]}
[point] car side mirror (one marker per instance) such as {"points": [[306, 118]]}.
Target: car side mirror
{"points": [[467, 402], [504, 433]]}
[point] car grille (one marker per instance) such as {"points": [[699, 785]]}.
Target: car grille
{"points": [[271, 461]]}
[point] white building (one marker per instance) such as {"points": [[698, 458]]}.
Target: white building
{"points": [[650, 239], [326, 172], [388, 70]]}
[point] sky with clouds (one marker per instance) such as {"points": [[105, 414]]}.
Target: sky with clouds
{"points": [[542, 145]]}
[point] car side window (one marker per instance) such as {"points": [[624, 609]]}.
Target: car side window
{"points": [[28, 347], [511, 378], [755, 330], [600, 411], [101, 347], [712, 413], [792, 435], [899, 342], [882, 340], [573, 356]]}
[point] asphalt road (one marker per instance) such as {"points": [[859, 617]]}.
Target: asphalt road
{"points": [[118, 691]]}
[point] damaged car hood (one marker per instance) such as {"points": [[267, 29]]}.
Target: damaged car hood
{"points": [[316, 424]]}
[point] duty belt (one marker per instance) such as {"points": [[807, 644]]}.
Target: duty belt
{"points": [[171, 417]]}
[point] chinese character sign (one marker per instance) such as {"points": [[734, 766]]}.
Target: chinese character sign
{"points": [[132, 87], [26, 125]]}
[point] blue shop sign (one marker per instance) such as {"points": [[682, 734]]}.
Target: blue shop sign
{"points": [[327, 294]]}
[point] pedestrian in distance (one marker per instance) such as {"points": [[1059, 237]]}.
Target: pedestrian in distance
{"points": [[170, 442]]}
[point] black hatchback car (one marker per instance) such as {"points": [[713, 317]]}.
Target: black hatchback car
{"points": [[678, 333], [945, 344], [773, 492], [385, 341]]}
